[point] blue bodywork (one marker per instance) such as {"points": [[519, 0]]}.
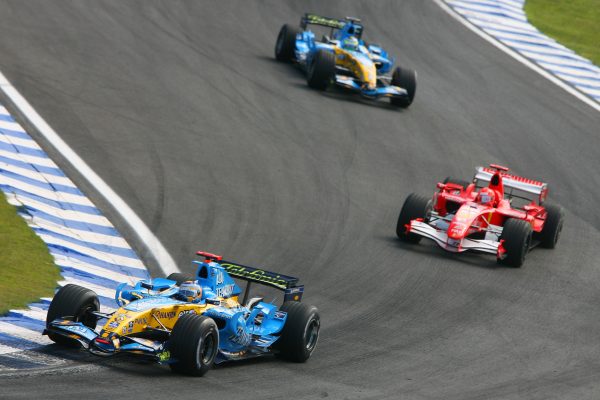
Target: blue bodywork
{"points": [[307, 46], [244, 330]]}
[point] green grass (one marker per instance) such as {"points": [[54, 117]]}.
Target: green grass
{"points": [[27, 271], [573, 23]]}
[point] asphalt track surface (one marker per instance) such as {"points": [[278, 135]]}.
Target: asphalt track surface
{"points": [[181, 108]]}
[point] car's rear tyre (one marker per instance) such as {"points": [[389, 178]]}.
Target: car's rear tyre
{"points": [[406, 79], [517, 241], [285, 46], [321, 70], [75, 303], [180, 277], [300, 333], [552, 226], [460, 182], [415, 206], [194, 344]]}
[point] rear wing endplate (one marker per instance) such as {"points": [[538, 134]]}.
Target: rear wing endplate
{"points": [[537, 188]]}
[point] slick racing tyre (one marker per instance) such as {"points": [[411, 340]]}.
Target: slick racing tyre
{"points": [[406, 79], [552, 226], [415, 206], [74, 303], [286, 43], [321, 70], [300, 333], [460, 182], [180, 278], [517, 241], [194, 344]]}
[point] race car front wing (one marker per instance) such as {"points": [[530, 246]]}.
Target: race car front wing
{"points": [[380, 91], [110, 345], [422, 228]]}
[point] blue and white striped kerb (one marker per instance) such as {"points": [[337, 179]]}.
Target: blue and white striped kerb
{"points": [[84, 244], [505, 20]]}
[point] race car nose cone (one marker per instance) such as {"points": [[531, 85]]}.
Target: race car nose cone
{"points": [[456, 230]]}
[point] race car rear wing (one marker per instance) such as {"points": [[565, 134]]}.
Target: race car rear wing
{"points": [[333, 23], [525, 185], [313, 19], [288, 284]]}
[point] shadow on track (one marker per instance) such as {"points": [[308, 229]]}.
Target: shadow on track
{"points": [[334, 92], [137, 367], [432, 250]]}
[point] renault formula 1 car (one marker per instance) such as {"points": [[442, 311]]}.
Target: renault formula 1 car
{"points": [[190, 322], [497, 213], [345, 59]]}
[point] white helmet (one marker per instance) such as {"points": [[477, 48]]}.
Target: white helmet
{"points": [[486, 196], [190, 291], [350, 43]]}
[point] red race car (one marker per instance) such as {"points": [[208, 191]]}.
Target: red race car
{"points": [[497, 213]]}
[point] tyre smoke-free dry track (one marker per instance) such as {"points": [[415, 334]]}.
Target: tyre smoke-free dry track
{"points": [[181, 107]]}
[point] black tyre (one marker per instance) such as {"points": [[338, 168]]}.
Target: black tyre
{"points": [[517, 241], [321, 70], [285, 46], [415, 206], [406, 79], [552, 227], [300, 333], [74, 303], [194, 344], [180, 278], [460, 182]]}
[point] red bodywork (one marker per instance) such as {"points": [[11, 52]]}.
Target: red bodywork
{"points": [[458, 215]]}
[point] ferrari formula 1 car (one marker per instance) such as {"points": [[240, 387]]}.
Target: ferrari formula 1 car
{"points": [[190, 322], [345, 59], [497, 213]]}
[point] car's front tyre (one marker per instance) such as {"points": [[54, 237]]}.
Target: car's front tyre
{"points": [[415, 206], [406, 79], [321, 70], [194, 344], [516, 234], [75, 303]]}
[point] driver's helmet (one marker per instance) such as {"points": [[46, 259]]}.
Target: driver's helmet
{"points": [[190, 291], [486, 197], [350, 43]]}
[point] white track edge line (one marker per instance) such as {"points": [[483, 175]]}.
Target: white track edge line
{"points": [[517, 56], [153, 245]]}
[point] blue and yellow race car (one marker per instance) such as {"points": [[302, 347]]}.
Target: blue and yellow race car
{"points": [[343, 58], [190, 323]]}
